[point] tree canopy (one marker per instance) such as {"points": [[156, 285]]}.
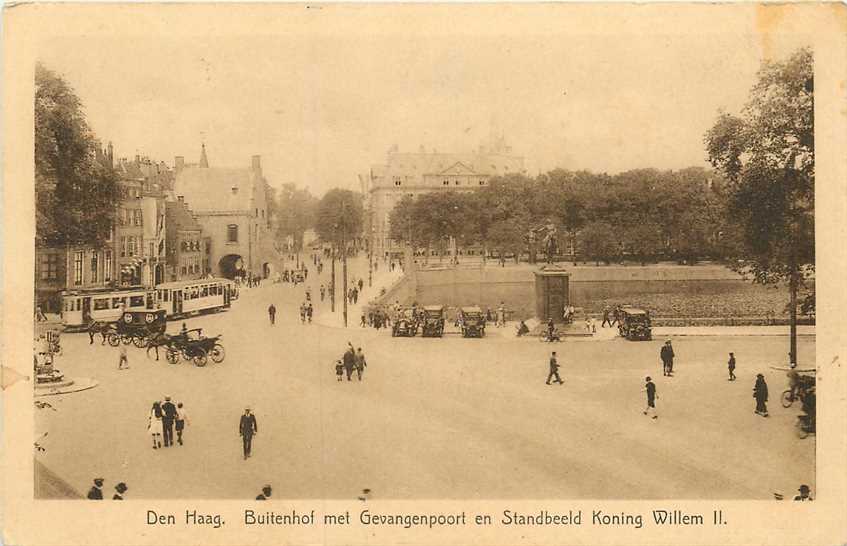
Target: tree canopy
{"points": [[294, 209], [76, 196], [339, 216]]}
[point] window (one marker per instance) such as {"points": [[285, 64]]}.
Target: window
{"points": [[445, 182], [136, 301], [205, 291], [107, 266], [121, 216], [94, 267], [49, 267], [77, 268], [101, 304], [123, 246], [136, 217], [117, 302], [130, 251], [232, 233], [183, 270]]}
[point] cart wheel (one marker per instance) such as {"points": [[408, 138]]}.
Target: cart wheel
{"points": [[199, 357], [127, 339], [217, 353], [172, 355], [139, 341], [114, 339], [787, 399]]}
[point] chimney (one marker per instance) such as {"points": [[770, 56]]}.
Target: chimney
{"points": [[179, 163], [257, 163]]}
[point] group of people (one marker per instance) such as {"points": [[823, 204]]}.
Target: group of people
{"points": [[351, 360], [166, 417], [611, 316], [96, 491], [499, 317]]}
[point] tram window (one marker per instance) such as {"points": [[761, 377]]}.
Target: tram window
{"points": [[205, 291], [166, 295], [101, 304], [136, 301]]}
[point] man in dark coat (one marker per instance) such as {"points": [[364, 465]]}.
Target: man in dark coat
{"points": [[349, 360], [361, 363], [760, 393], [650, 389], [666, 354], [272, 313], [606, 317], [554, 370], [96, 491], [168, 418], [731, 366], [120, 489], [247, 428], [265, 494]]}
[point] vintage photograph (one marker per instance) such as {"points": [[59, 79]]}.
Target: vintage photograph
{"points": [[424, 263]]}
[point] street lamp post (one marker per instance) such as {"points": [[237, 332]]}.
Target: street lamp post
{"points": [[344, 259]]}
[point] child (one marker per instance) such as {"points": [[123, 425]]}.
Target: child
{"points": [[650, 389], [122, 359], [339, 369]]}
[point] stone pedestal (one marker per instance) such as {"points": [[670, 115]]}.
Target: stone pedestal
{"points": [[552, 285]]}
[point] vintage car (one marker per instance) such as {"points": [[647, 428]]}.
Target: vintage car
{"points": [[473, 322], [405, 324], [432, 321], [635, 324]]}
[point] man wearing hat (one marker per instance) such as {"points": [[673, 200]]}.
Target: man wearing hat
{"points": [[247, 428], [666, 354], [168, 417], [96, 492], [265, 494], [650, 388], [804, 494], [760, 393], [121, 488], [554, 370]]}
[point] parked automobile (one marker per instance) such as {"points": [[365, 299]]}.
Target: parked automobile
{"points": [[473, 322], [433, 321], [635, 324]]}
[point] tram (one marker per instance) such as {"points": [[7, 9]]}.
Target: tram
{"points": [[185, 297], [80, 307]]}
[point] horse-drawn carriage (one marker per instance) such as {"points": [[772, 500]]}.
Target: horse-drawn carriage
{"points": [[191, 345], [136, 327]]}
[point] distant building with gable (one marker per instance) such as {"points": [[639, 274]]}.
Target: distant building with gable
{"points": [[229, 204], [415, 173]]}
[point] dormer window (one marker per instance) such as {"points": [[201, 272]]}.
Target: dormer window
{"points": [[446, 183]]}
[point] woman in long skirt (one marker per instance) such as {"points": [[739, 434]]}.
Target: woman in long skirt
{"points": [[154, 425]]}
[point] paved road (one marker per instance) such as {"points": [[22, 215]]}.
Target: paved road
{"points": [[449, 418]]}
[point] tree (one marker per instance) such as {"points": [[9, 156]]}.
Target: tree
{"points": [[295, 213], [598, 242], [76, 196], [767, 155], [339, 216], [400, 221]]}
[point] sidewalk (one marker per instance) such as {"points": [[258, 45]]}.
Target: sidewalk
{"points": [[381, 279]]}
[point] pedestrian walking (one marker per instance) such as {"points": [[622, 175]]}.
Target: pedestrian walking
{"points": [[181, 420], [122, 358], [650, 389], [120, 489], [606, 317], [92, 329], [760, 393], [247, 428], [666, 354], [361, 363], [309, 311], [168, 418], [265, 494], [339, 370], [303, 313], [154, 425], [501, 315], [349, 359], [272, 313], [361, 284], [96, 491], [364, 319], [554, 370], [731, 366], [323, 292]]}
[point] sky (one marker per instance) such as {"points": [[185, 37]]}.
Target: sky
{"points": [[322, 106]]}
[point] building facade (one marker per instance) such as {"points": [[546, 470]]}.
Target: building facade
{"points": [[230, 206], [186, 248], [412, 174]]}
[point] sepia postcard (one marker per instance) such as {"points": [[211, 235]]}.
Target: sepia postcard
{"points": [[427, 273]]}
